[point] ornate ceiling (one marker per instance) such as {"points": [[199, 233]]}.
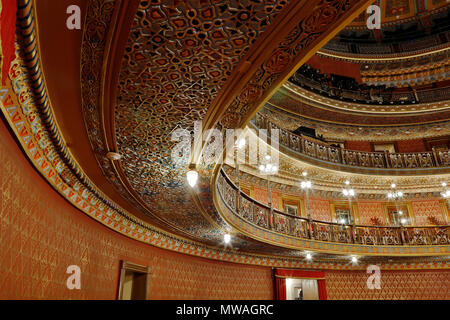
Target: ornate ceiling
{"points": [[149, 68]]}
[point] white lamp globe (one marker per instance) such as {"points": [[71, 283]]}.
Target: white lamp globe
{"points": [[192, 177]]}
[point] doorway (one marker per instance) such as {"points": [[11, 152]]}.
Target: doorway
{"points": [[134, 280], [301, 289]]}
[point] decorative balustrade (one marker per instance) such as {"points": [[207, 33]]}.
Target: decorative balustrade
{"points": [[261, 215], [320, 150]]}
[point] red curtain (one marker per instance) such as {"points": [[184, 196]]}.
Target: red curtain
{"points": [[280, 288], [282, 274], [7, 34], [322, 289]]}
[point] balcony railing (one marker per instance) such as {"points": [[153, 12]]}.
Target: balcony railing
{"points": [[263, 216], [320, 150]]}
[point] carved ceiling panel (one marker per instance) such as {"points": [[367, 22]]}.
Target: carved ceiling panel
{"points": [[176, 60]]}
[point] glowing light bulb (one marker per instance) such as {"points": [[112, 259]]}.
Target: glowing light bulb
{"points": [[347, 182], [192, 177], [351, 192], [393, 185], [240, 143], [305, 173], [354, 259], [345, 192], [308, 256], [227, 238]]}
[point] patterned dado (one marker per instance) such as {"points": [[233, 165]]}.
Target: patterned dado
{"points": [[428, 212], [368, 212], [395, 285]]}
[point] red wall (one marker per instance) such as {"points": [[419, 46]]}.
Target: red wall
{"points": [[394, 285], [358, 145], [416, 145]]}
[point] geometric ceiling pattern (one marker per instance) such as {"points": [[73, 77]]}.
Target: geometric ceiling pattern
{"points": [[176, 60]]}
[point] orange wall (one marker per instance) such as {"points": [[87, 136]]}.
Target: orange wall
{"points": [[395, 285], [41, 235], [320, 208], [369, 210], [425, 209]]}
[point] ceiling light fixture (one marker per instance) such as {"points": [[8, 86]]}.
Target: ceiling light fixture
{"points": [[306, 184], [114, 156], [192, 177], [348, 192], [240, 143]]}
